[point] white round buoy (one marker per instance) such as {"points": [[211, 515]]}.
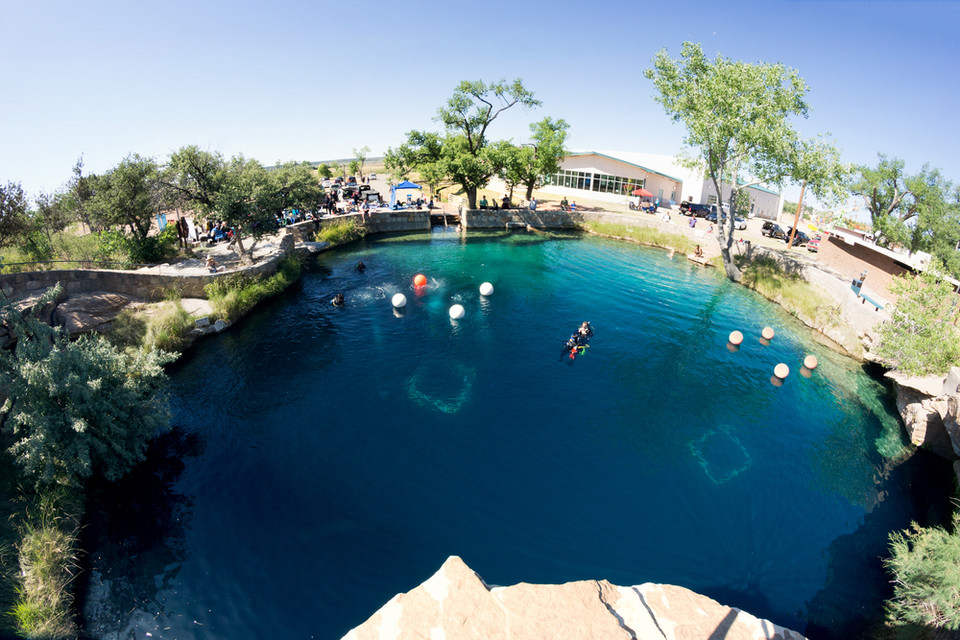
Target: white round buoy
{"points": [[810, 362], [781, 371], [735, 337], [767, 333], [457, 312], [486, 289], [399, 300]]}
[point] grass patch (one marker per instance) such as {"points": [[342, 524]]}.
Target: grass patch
{"points": [[233, 297], [167, 329], [643, 235], [48, 563], [340, 232], [801, 299]]}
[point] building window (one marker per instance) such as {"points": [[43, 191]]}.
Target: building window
{"points": [[711, 199]]}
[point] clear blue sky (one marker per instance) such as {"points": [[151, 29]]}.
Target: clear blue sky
{"points": [[312, 80]]}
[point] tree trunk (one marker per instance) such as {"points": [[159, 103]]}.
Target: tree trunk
{"points": [[471, 197], [245, 258], [725, 232], [529, 191]]}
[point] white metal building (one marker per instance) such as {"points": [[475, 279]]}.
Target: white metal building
{"points": [[611, 176]]}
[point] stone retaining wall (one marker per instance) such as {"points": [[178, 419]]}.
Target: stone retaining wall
{"points": [[499, 218], [145, 285]]}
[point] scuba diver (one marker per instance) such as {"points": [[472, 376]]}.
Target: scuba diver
{"points": [[338, 300], [361, 267], [576, 344]]}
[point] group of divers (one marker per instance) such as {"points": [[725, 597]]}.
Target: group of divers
{"points": [[575, 345]]}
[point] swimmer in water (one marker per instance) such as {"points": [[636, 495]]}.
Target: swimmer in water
{"points": [[361, 267], [338, 300]]}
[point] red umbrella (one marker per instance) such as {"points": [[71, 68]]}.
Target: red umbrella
{"points": [[642, 192]]}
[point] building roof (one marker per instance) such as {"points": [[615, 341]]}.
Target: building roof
{"points": [[665, 163], [620, 158]]}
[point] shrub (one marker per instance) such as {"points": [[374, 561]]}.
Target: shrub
{"points": [[920, 338], [234, 296], [76, 408], [48, 562], [340, 232], [167, 329], [925, 563]]}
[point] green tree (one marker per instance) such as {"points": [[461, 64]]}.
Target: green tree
{"points": [[925, 563], [292, 185], [14, 221], [918, 212], [921, 336], [77, 408], [463, 153], [360, 157], [355, 168], [737, 120], [543, 155], [324, 171], [127, 196], [237, 192]]}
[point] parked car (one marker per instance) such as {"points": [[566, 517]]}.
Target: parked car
{"points": [[372, 176], [799, 239], [814, 244], [326, 183], [773, 230], [738, 222], [697, 210]]}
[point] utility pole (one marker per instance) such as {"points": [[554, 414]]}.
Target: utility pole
{"points": [[796, 219]]}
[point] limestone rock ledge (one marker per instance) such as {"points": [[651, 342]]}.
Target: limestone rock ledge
{"points": [[455, 604]]}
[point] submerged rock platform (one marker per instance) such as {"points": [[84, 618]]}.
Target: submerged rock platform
{"points": [[456, 604]]}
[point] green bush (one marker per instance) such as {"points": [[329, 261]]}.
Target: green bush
{"points": [[921, 338], [234, 296], [340, 232], [925, 564]]}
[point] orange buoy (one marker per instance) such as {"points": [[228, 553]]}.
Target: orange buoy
{"points": [[736, 337], [810, 362], [767, 333], [419, 280], [781, 371]]}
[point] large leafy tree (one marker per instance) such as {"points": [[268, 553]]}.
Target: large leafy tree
{"points": [[233, 191], [127, 196], [291, 185], [920, 212], [530, 163], [737, 116], [77, 408], [464, 153]]}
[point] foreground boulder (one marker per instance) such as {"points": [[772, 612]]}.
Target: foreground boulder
{"points": [[455, 604]]}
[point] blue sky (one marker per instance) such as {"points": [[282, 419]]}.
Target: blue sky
{"points": [[312, 80]]}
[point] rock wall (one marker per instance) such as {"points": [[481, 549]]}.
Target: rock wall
{"points": [[930, 408], [455, 604]]}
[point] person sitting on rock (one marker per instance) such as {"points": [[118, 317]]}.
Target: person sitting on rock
{"points": [[211, 265]]}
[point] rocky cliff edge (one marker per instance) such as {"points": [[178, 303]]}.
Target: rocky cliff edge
{"points": [[455, 604]]}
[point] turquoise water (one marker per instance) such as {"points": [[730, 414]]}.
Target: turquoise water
{"points": [[325, 458]]}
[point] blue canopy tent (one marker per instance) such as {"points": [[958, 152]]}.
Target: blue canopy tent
{"points": [[406, 184]]}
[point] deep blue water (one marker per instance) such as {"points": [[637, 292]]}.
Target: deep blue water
{"points": [[323, 458]]}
